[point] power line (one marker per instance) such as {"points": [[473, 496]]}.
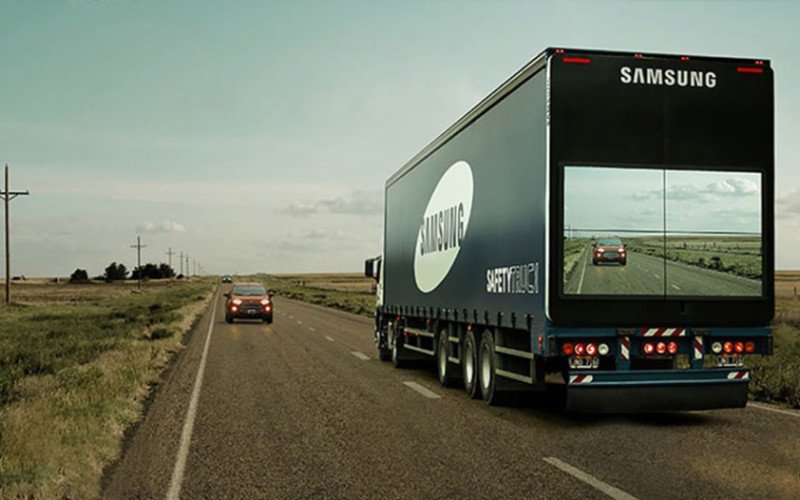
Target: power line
{"points": [[7, 196], [138, 246]]}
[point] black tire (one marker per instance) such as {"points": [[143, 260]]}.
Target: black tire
{"points": [[594, 261], [397, 355], [487, 372], [268, 320], [444, 368], [469, 365], [624, 262], [228, 318]]}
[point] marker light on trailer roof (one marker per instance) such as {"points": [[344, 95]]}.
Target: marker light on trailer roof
{"points": [[579, 60], [746, 69]]}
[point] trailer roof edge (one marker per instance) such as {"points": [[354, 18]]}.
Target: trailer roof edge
{"points": [[517, 79], [497, 95]]}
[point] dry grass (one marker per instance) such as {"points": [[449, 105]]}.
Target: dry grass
{"points": [[63, 423]]}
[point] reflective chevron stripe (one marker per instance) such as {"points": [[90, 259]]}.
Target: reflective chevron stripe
{"points": [[663, 332]]}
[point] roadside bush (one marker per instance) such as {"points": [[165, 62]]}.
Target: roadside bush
{"points": [[79, 276], [115, 272]]}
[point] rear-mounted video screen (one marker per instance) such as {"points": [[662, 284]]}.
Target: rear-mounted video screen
{"points": [[655, 232]]}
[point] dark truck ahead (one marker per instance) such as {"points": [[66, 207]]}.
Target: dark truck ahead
{"points": [[491, 234]]}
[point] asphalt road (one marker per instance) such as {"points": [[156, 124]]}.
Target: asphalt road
{"points": [[302, 408], [644, 275]]}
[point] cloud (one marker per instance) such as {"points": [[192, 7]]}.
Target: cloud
{"points": [[734, 187], [788, 204], [361, 203], [165, 226]]}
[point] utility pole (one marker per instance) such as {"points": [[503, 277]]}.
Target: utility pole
{"points": [[7, 197], [138, 246], [170, 253], [181, 262], [188, 269]]}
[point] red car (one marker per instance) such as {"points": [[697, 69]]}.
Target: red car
{"points": [[250, 301], [609, 250]]}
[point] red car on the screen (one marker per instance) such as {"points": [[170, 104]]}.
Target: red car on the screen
{"points": [[609, 250], [249, 301]]}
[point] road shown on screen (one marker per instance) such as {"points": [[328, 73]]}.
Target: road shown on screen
{"points": [[644, 275]]}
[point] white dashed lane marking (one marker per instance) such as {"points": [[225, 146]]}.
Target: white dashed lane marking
{"points": [[422, 390], [360, 355], [592, 481]]}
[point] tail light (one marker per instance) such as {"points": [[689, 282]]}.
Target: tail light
{"points": [[672, 348], [661, 348], [716, 348], [738, 347], [602, 349], [580, 349], [591, 349], [234, 308], [648, 348], [567, 349], [727, 347], [750, 347], [268, 308]]}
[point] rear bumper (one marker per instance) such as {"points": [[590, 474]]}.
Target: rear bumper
{"points": [[656, 390]]}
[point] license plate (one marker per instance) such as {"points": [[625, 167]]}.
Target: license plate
{"points": [[251, 311]]}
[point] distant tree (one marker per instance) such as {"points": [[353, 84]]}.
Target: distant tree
{"points": [[166, 271], [79, 276], [153, 272], [115, 272]]}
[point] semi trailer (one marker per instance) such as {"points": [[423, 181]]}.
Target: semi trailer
{"points": [[601, 224]]}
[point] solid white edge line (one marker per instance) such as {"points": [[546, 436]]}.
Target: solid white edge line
{"points": [[422, 390], [360, 355], [583, 271], [174, 492], [592, 481], [791, 413]]}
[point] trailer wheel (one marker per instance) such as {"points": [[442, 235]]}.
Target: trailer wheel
{"points": [[444, 368], [469, 365], [398, 358], [487, 372], [228, 319]]}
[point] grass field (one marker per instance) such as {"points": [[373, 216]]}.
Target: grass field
{"points": [[776, 378], [738, 255], [76, 364]]}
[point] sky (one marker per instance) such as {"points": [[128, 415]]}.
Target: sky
{"points": [[257, 136], [629, 201]]}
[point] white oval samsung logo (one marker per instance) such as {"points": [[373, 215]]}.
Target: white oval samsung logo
{"points": [[443, 227]]}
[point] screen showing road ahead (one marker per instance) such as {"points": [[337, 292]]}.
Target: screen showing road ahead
{"points": [[655, 232]]}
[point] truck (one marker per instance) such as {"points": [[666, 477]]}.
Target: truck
{"points": [[600, 226]]}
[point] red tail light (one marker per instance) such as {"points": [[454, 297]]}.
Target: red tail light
{"points": [[738, 347], [661, 348], [744, 69], [648, 348], [580, 349], [579, 60], [672, 348], [750, 347], [567, 349], [727, 347], [591, 349]]}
